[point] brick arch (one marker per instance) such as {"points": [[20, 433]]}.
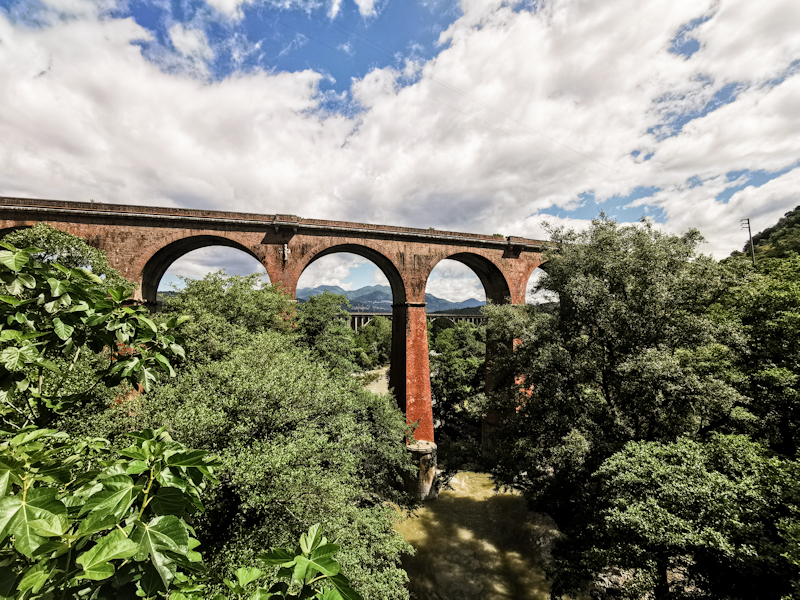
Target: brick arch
{"points": [[490, 275], [385, 264], [162, 259]]}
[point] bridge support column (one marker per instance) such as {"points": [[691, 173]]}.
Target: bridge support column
{"points": [[418, 372], [410, 375]]}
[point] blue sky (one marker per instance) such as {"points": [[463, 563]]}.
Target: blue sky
{"points": [[345, 46], [490, 117]]}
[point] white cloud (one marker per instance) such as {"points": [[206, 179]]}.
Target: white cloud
{"points": [[576, 84], [454, 281], [198, 263], [379, 278], [190, 42], [331, 270], [537, 297], [229, 8], [366, 7]]}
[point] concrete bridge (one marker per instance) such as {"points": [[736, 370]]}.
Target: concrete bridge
{"points": [[143, 241], [359, 319]]}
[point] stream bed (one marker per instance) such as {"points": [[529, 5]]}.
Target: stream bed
{"points": [[473, 543]]}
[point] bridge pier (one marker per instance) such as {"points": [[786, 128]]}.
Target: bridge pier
{"points": [[418, 372]]}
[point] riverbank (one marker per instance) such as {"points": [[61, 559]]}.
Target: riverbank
{"points": [[473, 543]]}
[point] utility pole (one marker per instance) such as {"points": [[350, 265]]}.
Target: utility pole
{"points": [[745, 223]]}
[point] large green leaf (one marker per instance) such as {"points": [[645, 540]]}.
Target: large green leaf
{"points": [[36, 577], [246, 575], [8, 582], [277, 556], [94, 522], [326, 565], [170, 501], [62, 330], [95, 561], [28, 280], [310, 540], [342, 586], [21, 518], [158, 537], [15, 359], [12, 470], [14, 260], [193, 458], [118, 494], [58, 286]]}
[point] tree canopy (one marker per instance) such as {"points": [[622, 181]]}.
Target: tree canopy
{"points": [[623, 402]]}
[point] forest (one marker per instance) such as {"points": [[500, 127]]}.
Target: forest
{"points": [[222, 448]]}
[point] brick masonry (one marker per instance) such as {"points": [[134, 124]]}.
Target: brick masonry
{"points": [[142, 242]]}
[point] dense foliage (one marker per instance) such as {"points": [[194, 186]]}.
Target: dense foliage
{"points": [[299, 442], [779, 241], [51, 315], [458, 370], [296, 444], [322, 326], [67, 250], [623, 406], [373, 343]]}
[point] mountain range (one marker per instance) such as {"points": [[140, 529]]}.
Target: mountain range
{"points": [[378, 298]]}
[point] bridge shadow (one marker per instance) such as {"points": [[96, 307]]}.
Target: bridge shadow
{"points": [[474, 544]]}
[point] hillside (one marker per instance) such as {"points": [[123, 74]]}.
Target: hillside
{"points": [[378, 298], [780, 240]]}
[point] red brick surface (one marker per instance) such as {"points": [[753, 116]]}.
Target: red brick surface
{"points": [[142, 242]]}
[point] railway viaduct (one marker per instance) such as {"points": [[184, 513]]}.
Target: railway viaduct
{"points": [[142, 242]]}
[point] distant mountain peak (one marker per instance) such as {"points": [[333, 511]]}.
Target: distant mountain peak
{"points": [[378, 298]]}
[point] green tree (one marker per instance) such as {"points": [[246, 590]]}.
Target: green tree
{"points": [[322, 324], [685, 519], [50, 315], [373, 343], [80, 518], [782, 240], [67, 250], [633, 352], [458, 378], [766, 304], [299, 443], [226, 310]]}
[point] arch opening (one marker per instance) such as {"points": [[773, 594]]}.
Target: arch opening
{"points": [[494, 283], [356, 274], [457, 344], [533, 295], [194, 257], [351, 268], [454, 286]]}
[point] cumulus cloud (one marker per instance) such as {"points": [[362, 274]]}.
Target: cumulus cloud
{"points": [[519, 112], [454, 281], [198, 263], [331, 270]]}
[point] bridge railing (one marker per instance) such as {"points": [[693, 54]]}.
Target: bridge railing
{"points": [[359, 319]]}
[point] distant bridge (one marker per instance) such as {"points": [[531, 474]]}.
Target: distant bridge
{"points": [[359, 319]]}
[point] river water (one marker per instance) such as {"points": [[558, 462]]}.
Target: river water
{"points": [[473, 543]]}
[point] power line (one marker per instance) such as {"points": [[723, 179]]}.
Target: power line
{"points": [[504, 132]]}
